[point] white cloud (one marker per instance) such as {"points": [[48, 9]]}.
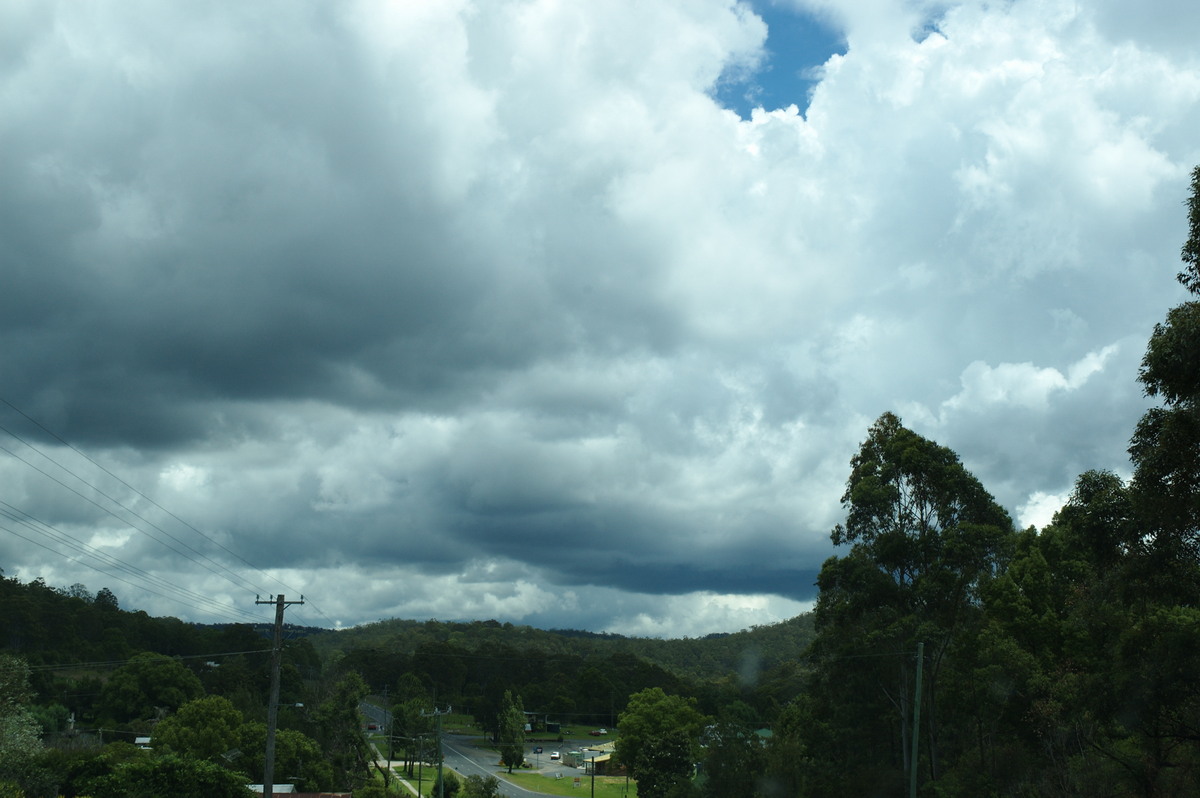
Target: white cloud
{"points": [[378, 292], [1022, 384], [1039, 510]]}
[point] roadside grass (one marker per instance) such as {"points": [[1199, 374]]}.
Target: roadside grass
{"points": [[606, 786], [463, 724]]}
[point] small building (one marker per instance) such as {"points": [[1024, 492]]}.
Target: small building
{"points": [[290, 789], [601, 761]]}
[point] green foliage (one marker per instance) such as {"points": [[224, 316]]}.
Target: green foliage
{"points": [[481, 787], [1190, 276], [20, 731], [446, 785], [789, 767], [15, 690], [511, 724], [381, 650], [148, 686], [734, 760], [156, 776], [205, 728], [412, 728], [666, 764], [336, 727], [372, 791], [106, 600], [297, 756], [926, 540], [658, 738]]}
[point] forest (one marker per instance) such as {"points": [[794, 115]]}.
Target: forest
{"points": [[949, 653]]}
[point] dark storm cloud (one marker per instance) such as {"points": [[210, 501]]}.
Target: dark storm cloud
{"points": [[491, 309]]}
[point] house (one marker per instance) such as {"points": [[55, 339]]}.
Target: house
{"points": [[602, 763]]}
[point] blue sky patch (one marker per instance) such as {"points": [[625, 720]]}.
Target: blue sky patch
{"points": [[797, 43]]}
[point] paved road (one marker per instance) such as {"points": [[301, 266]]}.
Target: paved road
{"points": [[469, 760], [463, 756], [376, 713]]}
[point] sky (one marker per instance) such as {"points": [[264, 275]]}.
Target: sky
{"points": [[559, 312]]}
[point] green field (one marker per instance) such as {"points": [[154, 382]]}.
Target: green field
{"points": [[606, 786]]}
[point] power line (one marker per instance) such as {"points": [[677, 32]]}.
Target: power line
{"points": [[100, 466], [109, 560], [218, 569], [116, 663], [207, 604]]}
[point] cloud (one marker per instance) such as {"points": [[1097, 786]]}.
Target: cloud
{"points": [[1039, 510], [492, 308], [1022, 384]]}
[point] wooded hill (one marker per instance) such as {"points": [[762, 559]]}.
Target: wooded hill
{"points": [[715, 657]]}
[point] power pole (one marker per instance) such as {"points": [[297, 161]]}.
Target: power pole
{"points": [[916, 730], [273, 701], [441, 782], [420, 763]]}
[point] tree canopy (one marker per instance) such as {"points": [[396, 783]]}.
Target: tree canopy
{"points": [[512, 731], [658, 739]]}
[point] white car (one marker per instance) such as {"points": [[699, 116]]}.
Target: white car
{"points": [[554, 755]]}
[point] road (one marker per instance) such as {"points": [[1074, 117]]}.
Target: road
{"points": [[471, 761], [377, 714], [466, 758]]}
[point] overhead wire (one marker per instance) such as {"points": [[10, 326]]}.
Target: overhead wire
{"points": [[215, 568], [204, 560], [116, 663], [184, 596]]}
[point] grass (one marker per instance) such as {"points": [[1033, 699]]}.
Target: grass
{"points": [[606, 786]]}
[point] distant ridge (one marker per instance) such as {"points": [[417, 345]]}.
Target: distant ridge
{"points": [[714, 657]]}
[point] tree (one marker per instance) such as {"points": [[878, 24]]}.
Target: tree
{"points": [[481, 787], [511, 724], [337, 725], [1155, 731], [446, 785], [734, 761], [412, 726], [147, 685], [924, 538], [206, 728], [658, 740], [789, 769], [296, 755], [1165, 447], [20, 732], [106, 600], [154, 776]]}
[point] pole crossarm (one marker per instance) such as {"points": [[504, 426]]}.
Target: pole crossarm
{"points": [[273, 703], [446, 711]]}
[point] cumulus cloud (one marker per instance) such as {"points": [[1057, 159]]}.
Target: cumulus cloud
{"points": [[494, 309]]}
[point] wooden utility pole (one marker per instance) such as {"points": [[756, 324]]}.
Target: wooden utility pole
{"points": [[273, 701], [446, 711], [916, 727]]}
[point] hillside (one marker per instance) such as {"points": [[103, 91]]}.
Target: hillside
{"points": [[710, 658]]}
